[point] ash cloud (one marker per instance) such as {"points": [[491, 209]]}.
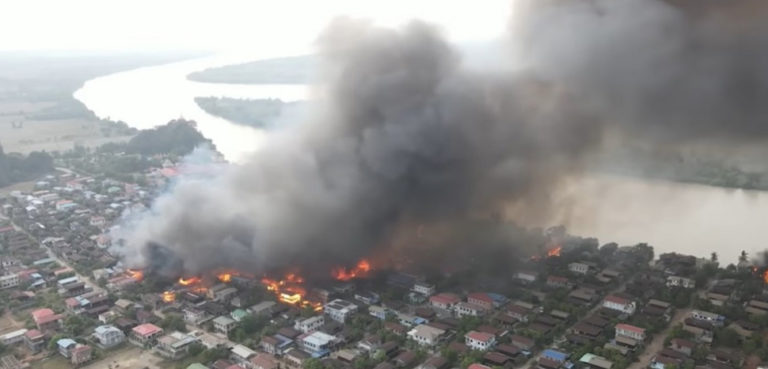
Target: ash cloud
{"points": [[405, 136]]}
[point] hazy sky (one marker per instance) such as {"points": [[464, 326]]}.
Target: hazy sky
{"points": [[221, 25]]}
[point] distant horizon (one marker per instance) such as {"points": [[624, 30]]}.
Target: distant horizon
{"points": [[224, 26]]}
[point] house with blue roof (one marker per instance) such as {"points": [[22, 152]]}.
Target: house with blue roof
{"points": [[498, 299], [65, 346], [555, 355]]}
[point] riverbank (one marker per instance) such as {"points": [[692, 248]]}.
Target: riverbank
{"points": [[672, 217], [37, 109]]}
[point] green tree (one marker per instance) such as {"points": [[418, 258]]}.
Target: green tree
{"points": [[211, 355], [173, 322], [471, 357], [76, 325], [53, 341], [313, 363], [196, 348], [727, 337]]}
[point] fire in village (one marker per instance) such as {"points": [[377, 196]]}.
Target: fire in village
{"points": [[289, 288]]}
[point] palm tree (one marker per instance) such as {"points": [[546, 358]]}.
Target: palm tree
{"points": [[743, 257], [713, 257]]}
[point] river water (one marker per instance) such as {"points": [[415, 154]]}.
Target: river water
{"points": [[686, 218], [152, 96]]}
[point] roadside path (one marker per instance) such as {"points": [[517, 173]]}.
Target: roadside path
{"points": [[657, 344]]}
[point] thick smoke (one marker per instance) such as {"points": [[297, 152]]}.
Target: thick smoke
{"points": [[406, 137], [675, 70]]}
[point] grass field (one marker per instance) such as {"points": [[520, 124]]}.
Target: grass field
{"points": [[47, 135], [54, 362], [125, 357]]}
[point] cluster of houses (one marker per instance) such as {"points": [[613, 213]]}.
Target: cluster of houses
{"points": [[72, 215], [605, 299]]}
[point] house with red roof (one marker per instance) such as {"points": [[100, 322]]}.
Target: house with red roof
{"points": [[479, 340], [631, 331], [482, 299], [444, 300], [145, 335], [478, 366], [35, 340], [463, 309], [46, 320], [558, 282], [81, 354], [264, 361], [619, 304]]}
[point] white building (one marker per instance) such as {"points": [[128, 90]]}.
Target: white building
{"points": [[339, 310], [424, 288], [526, 277], [13, 337], [378, 312], [262, 308], [317, 342], [479, 340], [241, 354], [716, 319], [619, 304], [676, 281], [174, 346], [426, 335], [224, 324], [630, 331], [9, 281], [195, 316], [579, 268], [310, 324], [463, 309], [108, 336]]}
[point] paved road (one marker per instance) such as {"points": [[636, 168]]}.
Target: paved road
{"points": [[658, 341]]}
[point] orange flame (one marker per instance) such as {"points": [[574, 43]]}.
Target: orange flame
{"points": [[765, 276], [360, 270], [554, 252], [169, 296], [136, 274], [189, 281], [289, 290], [225, 277]]}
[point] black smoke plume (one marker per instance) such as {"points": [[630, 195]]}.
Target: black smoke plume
{"points": [[406, 139]]}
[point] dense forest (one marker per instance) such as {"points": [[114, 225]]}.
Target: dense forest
{"points": [[672, 166], [258, 113], [18, 168], [290, 70], [178, 137]]}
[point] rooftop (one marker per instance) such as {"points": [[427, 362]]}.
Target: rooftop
{"points": [[223, 320], [630, 328], [242, 351], [146, 329], [480, 336]]}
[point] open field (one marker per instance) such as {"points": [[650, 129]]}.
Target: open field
{"points": [[9, 324], [37, 109], [126, 357], [48, 135], [21, 186]]}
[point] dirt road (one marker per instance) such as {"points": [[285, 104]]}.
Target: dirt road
{"points": [[658, 341]]}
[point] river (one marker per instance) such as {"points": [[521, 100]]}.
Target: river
{"points": [[686, 218], [152, 96]]}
